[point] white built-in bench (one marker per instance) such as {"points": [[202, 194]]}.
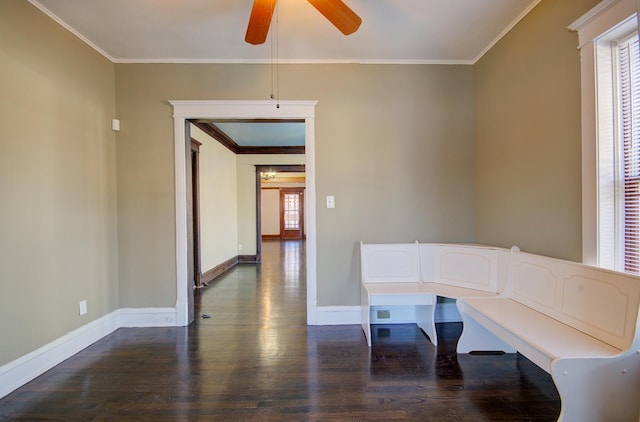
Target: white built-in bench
{"points": [[578, 323], [415, 274]]}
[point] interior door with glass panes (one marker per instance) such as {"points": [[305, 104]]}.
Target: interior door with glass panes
{"points": [[292, 213]]}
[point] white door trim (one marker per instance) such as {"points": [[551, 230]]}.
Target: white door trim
{"points": [[183, 110]]}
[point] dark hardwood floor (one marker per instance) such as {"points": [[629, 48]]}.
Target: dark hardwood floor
{"points": [[256, 359]]}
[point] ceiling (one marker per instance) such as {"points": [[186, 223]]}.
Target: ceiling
{"points": [[212, 31], [264, 134]]}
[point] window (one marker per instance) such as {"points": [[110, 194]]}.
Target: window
{"points": [[618, 107], [611, 135], [628, 71], [291, 211]]}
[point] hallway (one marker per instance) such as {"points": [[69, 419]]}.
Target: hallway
{"points": [[271, 294], [256, 359]]}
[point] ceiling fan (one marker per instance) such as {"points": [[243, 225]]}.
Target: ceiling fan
{"points": [[338, 13]]}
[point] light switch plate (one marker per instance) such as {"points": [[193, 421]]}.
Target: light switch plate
{"points": [[331, 201], [83, 307]]}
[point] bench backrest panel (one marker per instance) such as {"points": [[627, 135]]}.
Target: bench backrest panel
{"points": [[473, 267], [389, 263], [601, 303]]}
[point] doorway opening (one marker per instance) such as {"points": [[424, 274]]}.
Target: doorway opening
{"points": [[185, 110], [260, 170]]}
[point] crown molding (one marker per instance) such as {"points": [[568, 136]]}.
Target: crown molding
{"points": [[506, 30], [62, 23]]}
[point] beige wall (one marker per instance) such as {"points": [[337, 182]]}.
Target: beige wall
{"points": [[395, 147], [218, 201], [528, 139], [58, 242], [394, 144], [270, 208]]}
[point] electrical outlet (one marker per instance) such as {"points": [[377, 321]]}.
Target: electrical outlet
{"points": [[384, 314], [239, 247], [83, 307]]}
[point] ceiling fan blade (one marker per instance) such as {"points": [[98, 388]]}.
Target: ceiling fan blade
{"points": [[259, 21], [339, 14]]}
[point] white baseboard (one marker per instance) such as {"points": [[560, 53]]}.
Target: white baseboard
{"points": [[398, 314], [338, 315], [148, 317], [22, 370], [445, 312], [352, 315]]}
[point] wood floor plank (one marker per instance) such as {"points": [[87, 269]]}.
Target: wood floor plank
{"points": [[256, 359]]}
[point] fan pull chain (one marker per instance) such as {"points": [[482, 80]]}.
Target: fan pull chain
{"points": [[272, 96], [277, 58], [275, 96]]}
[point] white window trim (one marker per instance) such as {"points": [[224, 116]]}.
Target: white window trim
{"points": [[600, 23]]}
